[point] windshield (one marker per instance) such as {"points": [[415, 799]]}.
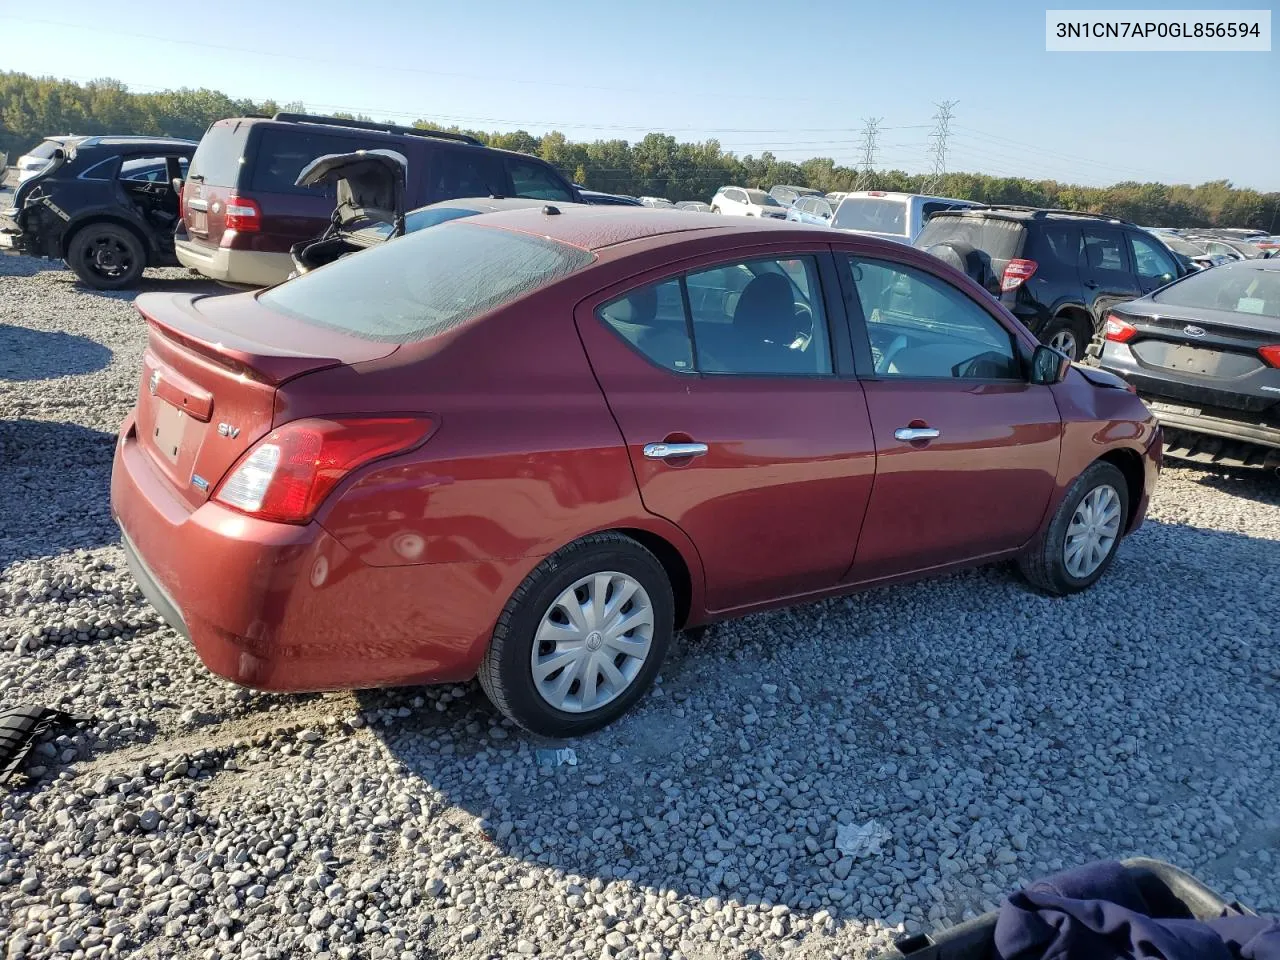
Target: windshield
{"points": [[872, 215], [762, 198], [425, 283], [1243, 289]]}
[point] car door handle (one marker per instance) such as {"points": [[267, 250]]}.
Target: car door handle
{"points": [[1091, 284], [908, 434], [673, 451]]}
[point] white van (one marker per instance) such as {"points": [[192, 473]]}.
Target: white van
{"points": [[893, 216]]}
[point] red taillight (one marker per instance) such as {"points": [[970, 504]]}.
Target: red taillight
{"points": [[1117, 330], [287, 474], [1271, 354], [1017, 273], [243, 215]]}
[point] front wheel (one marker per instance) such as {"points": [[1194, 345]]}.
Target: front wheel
{"points": [[1080, 542], [106, 256], [582, 638]]}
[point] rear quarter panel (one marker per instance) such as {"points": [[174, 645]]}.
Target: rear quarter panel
{"points": [[526, 458]]}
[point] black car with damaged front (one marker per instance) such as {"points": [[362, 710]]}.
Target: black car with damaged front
{"points": [[106, 205], [1204, 353]]}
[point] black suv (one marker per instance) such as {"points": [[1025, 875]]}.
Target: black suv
{"points": [[106, 205], [1058, 271], [243, 207]]}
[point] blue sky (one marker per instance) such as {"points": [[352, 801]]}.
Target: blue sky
{"points": [[795, 78]]}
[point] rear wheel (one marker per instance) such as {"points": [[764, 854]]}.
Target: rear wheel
{"points": [[1080, 542], [1069, 335], [582, 638], [106, 256]]}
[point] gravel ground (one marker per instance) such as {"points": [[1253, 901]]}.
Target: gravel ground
{"points": [[993, 734]]}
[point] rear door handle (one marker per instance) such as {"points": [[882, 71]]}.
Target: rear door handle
{"points": [[673, 451], [908, 434]]}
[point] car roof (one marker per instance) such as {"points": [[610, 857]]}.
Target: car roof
{"points": [[1025, 214], [492, 204], [339, 129], [594, 228]]}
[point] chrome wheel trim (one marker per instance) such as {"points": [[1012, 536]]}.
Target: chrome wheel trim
{"points": [[592, 642], [1093, 531], [1064, 341]]}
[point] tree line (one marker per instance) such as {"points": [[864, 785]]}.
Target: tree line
{"points": [[657, 165]]}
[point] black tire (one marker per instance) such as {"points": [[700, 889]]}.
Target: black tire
{"points": [[1076, 327], [106, 256], [1044, 563], [506, 673]]}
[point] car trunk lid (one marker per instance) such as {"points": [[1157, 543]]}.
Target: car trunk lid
{"points": [[1213, 350], [210, 373]]}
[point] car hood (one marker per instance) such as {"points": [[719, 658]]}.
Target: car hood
{"points": [[369, 184]]}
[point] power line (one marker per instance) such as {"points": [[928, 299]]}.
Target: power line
{"points": [[938, 139]]}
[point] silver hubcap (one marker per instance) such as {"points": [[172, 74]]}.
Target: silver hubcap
{"points": [[1064, 341], [592, 642], [1093, 531]]}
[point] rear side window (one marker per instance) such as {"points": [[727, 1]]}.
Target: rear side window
{"points": [[425, 283], [464, 173], [218, 157], [1053, 243], [535, 181], [1101, 250], [282, 152]]}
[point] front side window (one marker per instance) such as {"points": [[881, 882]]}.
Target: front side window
{"points": [[1151, 261], [922, 327], [1100, 250], [533, 180], [753, 318]]}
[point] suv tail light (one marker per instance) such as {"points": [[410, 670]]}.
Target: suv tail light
{"points": [[1271, 354], [1017, 273], [287, 474], [1117, 330], [243, 215]]}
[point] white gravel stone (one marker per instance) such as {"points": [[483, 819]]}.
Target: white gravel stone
{"points": [[995, 733]]}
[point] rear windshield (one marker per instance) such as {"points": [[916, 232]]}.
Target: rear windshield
{"points": [[218, 157], [872, 215], [1238, 289], [998, 238], [44, 150], [762, 198], [425, 283]]}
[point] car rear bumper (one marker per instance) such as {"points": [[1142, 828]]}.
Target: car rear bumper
{"points": [[1204, 408], [282, 607], [249, 267]]}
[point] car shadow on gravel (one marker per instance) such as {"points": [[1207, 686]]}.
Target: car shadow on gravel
{"points": [[168, 281], [54, 489], [1261, 486], [734, 776], [27, 354]]}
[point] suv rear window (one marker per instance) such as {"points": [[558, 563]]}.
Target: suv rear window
{"points": [[999, 238], [425, 283], [217, 158]]}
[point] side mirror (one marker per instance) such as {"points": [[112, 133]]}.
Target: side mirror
{"points": [[1048, 366]]}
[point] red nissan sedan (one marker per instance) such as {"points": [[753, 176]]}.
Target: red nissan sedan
{"points": [[530, 445]]}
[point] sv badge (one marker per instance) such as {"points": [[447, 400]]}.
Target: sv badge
{"points": [[227, 430]]}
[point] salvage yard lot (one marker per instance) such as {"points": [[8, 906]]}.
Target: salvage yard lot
{"points": [[995, 734]]}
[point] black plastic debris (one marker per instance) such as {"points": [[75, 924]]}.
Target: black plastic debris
{"points": [[20, 728]]}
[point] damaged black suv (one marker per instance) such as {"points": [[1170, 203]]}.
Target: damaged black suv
{"points": [[106, 205]]}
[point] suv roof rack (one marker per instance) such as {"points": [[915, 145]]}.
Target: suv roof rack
{"points": [[379, 127], [1042, 211]]}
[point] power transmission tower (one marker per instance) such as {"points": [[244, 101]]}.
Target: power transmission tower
{"points": [[938, 143], [870, 136]]}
